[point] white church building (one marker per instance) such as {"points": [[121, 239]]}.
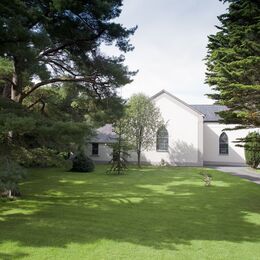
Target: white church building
{"points": [[192, 137]]}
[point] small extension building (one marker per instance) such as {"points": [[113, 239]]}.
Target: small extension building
{"points": [[192, 136]]}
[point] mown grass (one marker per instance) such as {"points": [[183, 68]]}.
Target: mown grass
{"points": [[152, 213]]}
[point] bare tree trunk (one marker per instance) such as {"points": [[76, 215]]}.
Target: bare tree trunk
{"points": [[139, 158], [15, 90], [139, 147], [17, 85]]}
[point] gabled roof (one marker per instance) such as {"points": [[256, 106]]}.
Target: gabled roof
{"points": [[105, 134], [177, 99], [210, 112]]}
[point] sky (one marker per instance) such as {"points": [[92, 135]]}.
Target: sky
{"points": [[170, 45]]}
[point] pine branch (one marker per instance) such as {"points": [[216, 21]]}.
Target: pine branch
{"points": [[55, 80]]}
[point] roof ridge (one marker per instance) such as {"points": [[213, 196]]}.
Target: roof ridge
{"points": [[211, 105], [163, 91]]}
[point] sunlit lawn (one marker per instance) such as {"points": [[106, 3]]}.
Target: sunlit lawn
{"points": [[152, 213]]}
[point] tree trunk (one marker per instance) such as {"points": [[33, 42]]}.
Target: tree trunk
{"points": [[17, 85], [139, 146], [7, 91], [139, 158]]}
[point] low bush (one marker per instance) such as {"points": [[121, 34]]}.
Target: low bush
{"points": [[252, 149], [82, 163], [11, 173]]}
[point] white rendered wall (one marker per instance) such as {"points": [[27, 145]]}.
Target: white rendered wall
{"points": [[236, 156], [104, 153], [185, 128]]}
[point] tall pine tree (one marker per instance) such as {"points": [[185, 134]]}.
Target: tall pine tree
{"points": [[233, 63], [54, 78], [55, 41]]}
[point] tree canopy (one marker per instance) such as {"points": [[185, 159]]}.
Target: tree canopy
{"points": [[143, 119], [233, 63], [59, 41], [56, 84]]}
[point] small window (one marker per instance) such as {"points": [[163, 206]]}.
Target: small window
{"points": [[162, 139], [223, 143], [94, 148]]}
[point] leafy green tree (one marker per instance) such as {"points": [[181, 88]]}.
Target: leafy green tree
{"points": [[233, 63], [143, 119], [70, 102]]}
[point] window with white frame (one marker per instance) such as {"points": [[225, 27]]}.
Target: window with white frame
{"points": [[223, 143], [162, 139]]}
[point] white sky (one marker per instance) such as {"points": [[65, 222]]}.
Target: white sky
{"points": [[170, 45]]}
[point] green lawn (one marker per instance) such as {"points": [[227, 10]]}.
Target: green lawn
{"points": [[151, 213]]}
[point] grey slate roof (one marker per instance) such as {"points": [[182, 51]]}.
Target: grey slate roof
{"points": [[209, 111], [105, 134]]}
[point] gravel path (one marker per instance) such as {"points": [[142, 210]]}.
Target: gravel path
{"points": [[243, 172]]}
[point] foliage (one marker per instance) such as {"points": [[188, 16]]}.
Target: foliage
{"points": [[163, 163], [40, 158], [143, 119], [22, 128], [207, 178], [37, 38], [233, 63], [71, 102], [252, 149], [82, 163], [11, 174], [120, 149], [55, 88]]}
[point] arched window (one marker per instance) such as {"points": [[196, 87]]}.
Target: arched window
{"points": [[223, 143], [162, 139]]}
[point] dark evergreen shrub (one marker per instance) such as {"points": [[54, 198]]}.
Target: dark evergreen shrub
{"points": [[252, 149], [11, 173], [82, 163], [39, 158]]}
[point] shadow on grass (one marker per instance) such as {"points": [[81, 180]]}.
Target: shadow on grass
{"points": [[12, 256], [155, 208]]}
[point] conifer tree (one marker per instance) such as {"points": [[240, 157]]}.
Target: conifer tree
{"points": [[120, 149], [59, 41], [233, 63], [54, 79]]}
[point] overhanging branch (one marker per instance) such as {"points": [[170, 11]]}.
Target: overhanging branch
{"points": [[68, 44], [55, 80]]}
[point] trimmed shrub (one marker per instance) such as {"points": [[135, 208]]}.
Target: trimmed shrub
{"points": [[252, 149], [11, 173], [82, 163]]}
